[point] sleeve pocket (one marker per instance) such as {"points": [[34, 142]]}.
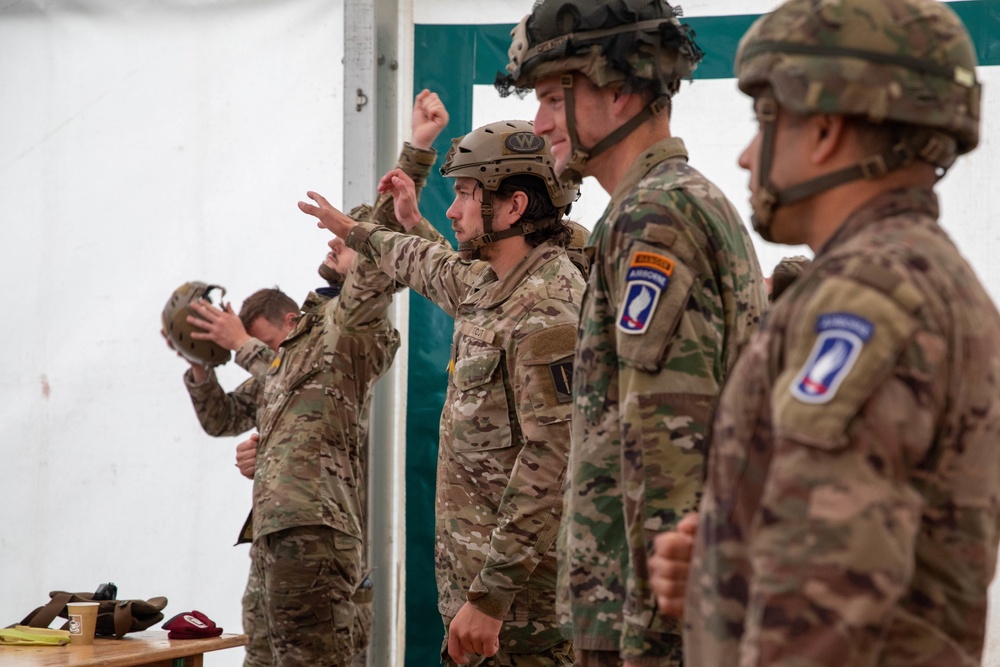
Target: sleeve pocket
{"points": [[651, 301]]}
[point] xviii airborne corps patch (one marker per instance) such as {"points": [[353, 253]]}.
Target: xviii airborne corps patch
{"points": [[647, 278]]}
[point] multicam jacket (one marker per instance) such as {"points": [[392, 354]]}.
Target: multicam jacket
{"points": [[232, 413], [852, 508], [504, 427], [317, 395], [674, 292]]}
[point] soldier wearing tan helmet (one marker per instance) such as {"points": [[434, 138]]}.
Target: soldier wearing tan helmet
{"points": [[674, 291], [852, 508], [505, 424]]}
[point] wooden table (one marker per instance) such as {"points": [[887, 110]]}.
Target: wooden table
{"points": [[151, 649]]}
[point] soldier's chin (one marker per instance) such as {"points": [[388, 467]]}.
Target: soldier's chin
{"points": [[332, 277]]}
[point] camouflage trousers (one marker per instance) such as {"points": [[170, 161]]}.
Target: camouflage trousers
{"points": [[560, 655], [311, 602], [255, 625]]}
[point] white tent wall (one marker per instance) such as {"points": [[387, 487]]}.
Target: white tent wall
{"points": [[144, 144]]}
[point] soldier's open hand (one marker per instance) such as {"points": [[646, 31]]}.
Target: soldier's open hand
{"points": [[221, 326], [404, 197], [429, 118], [327, 216], [669, 565]]}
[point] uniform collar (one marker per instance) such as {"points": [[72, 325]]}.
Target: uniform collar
{"points": [[496, 292], [649, 158], [890, 204]]}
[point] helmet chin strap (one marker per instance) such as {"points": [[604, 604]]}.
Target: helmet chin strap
{"points": [[931, 146], [471, 249], [573, 173]]}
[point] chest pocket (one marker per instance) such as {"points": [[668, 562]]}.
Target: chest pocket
{"points": [[480, 409]]}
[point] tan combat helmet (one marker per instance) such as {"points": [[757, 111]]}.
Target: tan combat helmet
{"points": [[910, 62], [640, 44], [496, 152], [178, 331]]}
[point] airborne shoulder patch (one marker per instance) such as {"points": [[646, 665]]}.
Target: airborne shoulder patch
{"points": [[647, 278], [839, 341]]}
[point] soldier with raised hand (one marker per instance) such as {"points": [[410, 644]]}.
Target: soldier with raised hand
{"points": [[309, 510], [852, 509], [674, 292], [505, 423]]}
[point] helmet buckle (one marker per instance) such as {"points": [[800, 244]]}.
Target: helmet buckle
{"points": [[873, 166], [767, 109], [566, 80]]}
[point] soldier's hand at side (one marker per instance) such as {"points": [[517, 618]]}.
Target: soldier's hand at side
{"points": [[246, 456], [670, 563], [404, 197], [222, 327], [327, 216], [429, 118], [472, 631]]}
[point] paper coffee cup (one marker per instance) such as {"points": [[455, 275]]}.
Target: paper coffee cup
{"points": [[82, 621]]}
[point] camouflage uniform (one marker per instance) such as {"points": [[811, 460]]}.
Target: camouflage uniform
{"points": [[221, 413], [309, 483], [225, 414], [504, 430], [861, 529], [852, 509], [674, 291]]}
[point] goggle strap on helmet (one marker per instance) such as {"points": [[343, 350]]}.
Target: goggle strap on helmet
{"points": [[649, 25], [958, 75]]}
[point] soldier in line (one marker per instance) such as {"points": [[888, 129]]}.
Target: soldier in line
{"points": [[505, 423], [852, 507], [674, 292], [265, 318], [308, 519]]}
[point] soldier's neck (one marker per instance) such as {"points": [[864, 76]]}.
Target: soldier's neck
{"points": [[610, 167]]}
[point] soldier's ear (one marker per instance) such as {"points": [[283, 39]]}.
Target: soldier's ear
{"points": [[518, 205]]}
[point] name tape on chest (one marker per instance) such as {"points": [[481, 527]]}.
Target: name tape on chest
{"points": [[647, 278], [839, 341]]}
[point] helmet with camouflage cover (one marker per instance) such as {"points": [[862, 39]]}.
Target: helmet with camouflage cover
{"points": [[498, 151], [639, 44], [178, 330], [908, 62]]}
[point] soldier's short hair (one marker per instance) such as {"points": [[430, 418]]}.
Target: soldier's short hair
{"points": [[270, 303]]}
